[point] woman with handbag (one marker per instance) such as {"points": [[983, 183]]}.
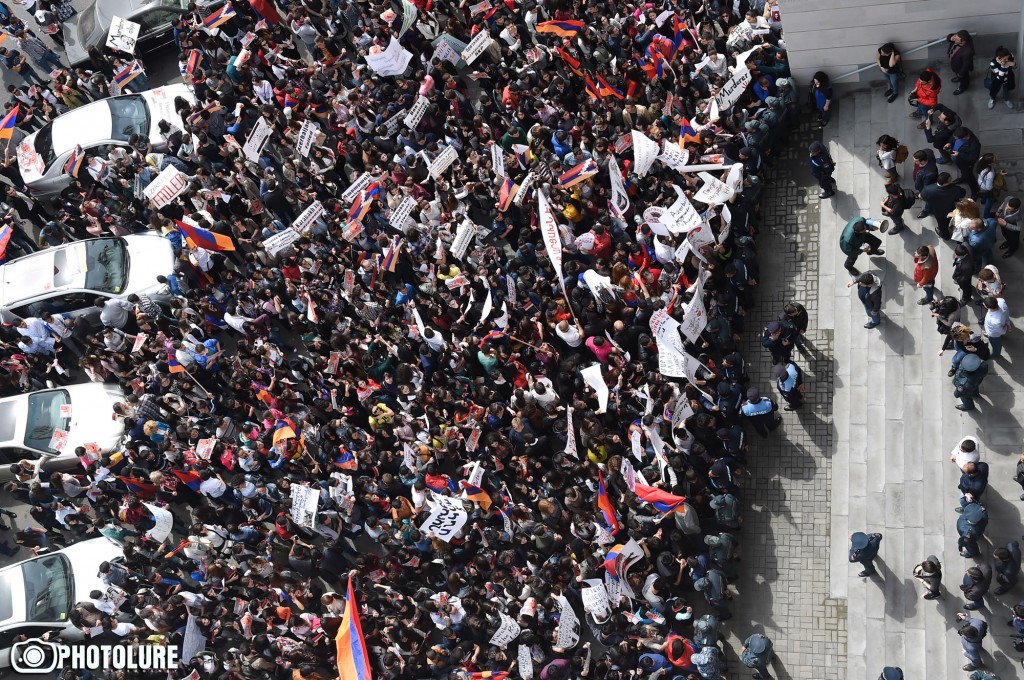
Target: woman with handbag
{"points": [[1000, 77], [926, 93]]}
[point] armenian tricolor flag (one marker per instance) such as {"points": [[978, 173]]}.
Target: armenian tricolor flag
{"points": [[74, 162], [476, 494], [506, 194], [173, 364], [564, 29], [611, 560], [687, 134], [5, 237], [662, 501], [212, 107], [522, 153], [604, 504], [572, 62], [7, 124], [605, 88], [592, 89], [225, 13], [284, 429], [353, 661], [193, 61], [140, 487], [390, 259], [128, 73], [574, 176], [488, 675], [363, 202], [189, 478], [198, 237]]}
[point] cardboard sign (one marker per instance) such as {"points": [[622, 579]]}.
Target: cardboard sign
{"points": [[508, 630], [391, 62], [443, 161], [306, 136], [645, 151], [357, 187], [164, 521], [446, 519], [304, 222], [167, 186], [123, 35], [480, 42], [204, 448], [415, 115], [253, 146]]}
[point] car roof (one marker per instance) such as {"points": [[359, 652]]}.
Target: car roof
{"points": [[83, 125], [28, 277], [9, 425]]}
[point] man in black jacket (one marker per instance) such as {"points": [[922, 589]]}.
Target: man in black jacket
{"points": [[961, 59], [940, 200], [939, 127]]}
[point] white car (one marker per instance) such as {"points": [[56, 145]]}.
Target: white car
{"points": [[68, 278], [83, 413], [38, 594], [98, 127]]}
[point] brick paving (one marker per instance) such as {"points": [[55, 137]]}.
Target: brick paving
{"points": [[784, 583]]}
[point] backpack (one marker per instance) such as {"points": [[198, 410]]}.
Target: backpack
{"points": [[909, 198], [998, 185], [901, 153]]}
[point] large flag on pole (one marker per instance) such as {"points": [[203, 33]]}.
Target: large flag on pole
{"points": [[353, 661], [204, 238]]}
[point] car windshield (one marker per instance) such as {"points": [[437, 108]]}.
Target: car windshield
{"points": [[106, 264], [8, 419], [44, 418], [87, 23], [44, 144], [48, 589], [128, 115]]}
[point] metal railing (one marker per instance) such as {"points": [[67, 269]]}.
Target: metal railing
{"points": [[902, 54]]}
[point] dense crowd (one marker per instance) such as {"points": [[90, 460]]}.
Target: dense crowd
{"points": [[511, 382]]}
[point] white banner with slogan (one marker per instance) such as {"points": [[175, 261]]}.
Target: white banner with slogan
{"points": [[391, 62], [714, 190], [735, 86], [304, 505], [567, 635], [415, 115], [253, 146], [645, 151], [480, 42], [307, 133], [620, 199], [508, 630], [163, 519], [443, 161], [356, 187], [446, 519]]}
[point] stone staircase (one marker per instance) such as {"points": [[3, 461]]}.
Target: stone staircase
{"points": [[894, 411]]}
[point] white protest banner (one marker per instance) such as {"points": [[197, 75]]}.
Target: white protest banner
{"points": [[167, 186], [682, 215], [713, 113], [662, 253], [670, 362], [357, 186], [400, 214], [735, 177], [304, 222], [567, 635], [527, 184], [163, 519], [409, 12], [446, 519], [140, 340], [549, 232], [444, 51], [620, 199], [525, 659], [595, 600], [253, 146], [655, 218], [418, 321], [415, 115], [480, 42], [593, 376], [614, 590], [713, 191], [443, 161], [304, 505], [498, 160], [391, 62], [700, 236], [635, 445], [645, 151], [115, 595], [508, 630], [279, 241], [307, 133], [628, 473], [726, 223], [732, 90], [673, 156], [463, 236], [123, 35], [696, 316], [570, 434], [194, 642], [666, 329]]}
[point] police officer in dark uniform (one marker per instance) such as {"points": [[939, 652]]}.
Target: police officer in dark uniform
{"points": [[760, 411], [757, 653], [864, 549]]}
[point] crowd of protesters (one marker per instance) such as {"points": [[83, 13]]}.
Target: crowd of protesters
{"points": [[387, 364]]}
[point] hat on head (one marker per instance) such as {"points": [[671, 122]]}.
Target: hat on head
{"points": [[759, 644], [753, 394], [859, 540], [774, 327], [780, 371], [974, 513]]}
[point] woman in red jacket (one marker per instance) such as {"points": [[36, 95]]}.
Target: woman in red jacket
{"points": [[927, 92]]}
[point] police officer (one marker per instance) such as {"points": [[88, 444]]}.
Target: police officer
{"points": [[790, 379], [760, 411], [722, 551], [971, 528], [967, 381], [757, 653], [891, 673], [864, 549], [705, 631], [1006, 563], [779, 338]]}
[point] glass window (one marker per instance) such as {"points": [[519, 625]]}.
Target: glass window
{"points": [[8, 420], [48, 588], [128, 115], [106, 265], [156, 19], [44, 417]]}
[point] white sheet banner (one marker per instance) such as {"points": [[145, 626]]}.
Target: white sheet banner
{"points": [[595, 599], [356, 187], [670, 362], [480, 42], [527, 184], [400, 215], [645, 151], [567, 635], [695, 318], [620, 199], [570, 434], [594, 377], [279, 241], [713, 191], [682, 215], [700, 236], [508, 630], [304, 222], [673, 156], [549, 232], [463, 237], [525, 662], [391, 62], [164, 521], [253, 146], [666, 329], [167, 186], [304, 504], [446, 519], [307, 133]]}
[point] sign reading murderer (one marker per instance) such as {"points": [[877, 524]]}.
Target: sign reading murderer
{"points": [[253, 146], [415, 115], [508, 630], [123, 35], [446, 519], [732, 90], [480, 42], [167, 186], [443, 161], [361, 183], [306, 136]]}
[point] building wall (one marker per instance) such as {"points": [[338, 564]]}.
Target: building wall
{"points": [[838, 36]]}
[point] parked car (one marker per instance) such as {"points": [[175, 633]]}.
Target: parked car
{"points": [[98, 128], [84, 412], [67, 279], [89, 28], [38, 594]]}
